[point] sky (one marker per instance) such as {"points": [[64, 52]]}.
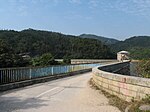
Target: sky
{"points": [[118, 19]]}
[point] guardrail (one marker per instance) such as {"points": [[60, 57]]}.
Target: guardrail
{"points": [[10, 75]]}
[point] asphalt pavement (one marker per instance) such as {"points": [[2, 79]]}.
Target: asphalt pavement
{"points": [[71, 94]]}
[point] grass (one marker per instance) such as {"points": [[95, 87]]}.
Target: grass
{"points": [[136, 104]]}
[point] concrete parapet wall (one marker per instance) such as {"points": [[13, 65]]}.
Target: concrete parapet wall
{"points": [[84, 61], [81, 61], [125, 87]]}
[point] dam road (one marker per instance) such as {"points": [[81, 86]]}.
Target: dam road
{"points": [[71, 94]]}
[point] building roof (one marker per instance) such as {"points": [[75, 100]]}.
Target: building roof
{"points": [[123, 52]]}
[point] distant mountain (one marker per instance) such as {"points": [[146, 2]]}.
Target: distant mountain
{"points": [[107, 41], [138, 46], [133, 42]]}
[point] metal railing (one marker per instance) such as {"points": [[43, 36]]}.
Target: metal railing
{"points": [[9, 75]]}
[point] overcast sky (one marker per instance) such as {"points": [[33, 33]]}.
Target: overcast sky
{"points": [[118, 19]]}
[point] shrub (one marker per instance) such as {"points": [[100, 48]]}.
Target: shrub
{"points": [[66, 60], [143, 68], [44, 60]]}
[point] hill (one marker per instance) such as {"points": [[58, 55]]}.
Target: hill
{"points": [[36, 43], [138, 46], [107, 41]]}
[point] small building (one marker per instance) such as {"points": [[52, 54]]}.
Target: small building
{"points": [[123, 55], [25, 55]]}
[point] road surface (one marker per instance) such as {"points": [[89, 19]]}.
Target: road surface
{"points": [[72, 94]]}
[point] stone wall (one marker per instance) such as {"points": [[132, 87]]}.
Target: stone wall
{"points": [[85, 61], [125, 87]]}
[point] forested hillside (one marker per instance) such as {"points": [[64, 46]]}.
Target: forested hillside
{"points": [[138, 46], [44, 45], [37, 42], [105, 40]]}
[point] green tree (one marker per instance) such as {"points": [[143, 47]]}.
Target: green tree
{"points": [[66, 60], [143, 68], [35, 61], [8, 58], [47, 59], [44, 60]]}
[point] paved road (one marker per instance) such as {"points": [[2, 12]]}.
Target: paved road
{"points": [[71, 94]]}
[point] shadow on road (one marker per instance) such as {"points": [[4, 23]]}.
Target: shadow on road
{"points": [[10, 104]]}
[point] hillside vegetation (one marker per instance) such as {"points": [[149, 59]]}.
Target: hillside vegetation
{"points": [[36, 43], [105, 40], [42, 45], [143, 68], [138, 46]]}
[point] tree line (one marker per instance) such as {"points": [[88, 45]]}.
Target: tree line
{"points": [[138, 46], [45, 45]]}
